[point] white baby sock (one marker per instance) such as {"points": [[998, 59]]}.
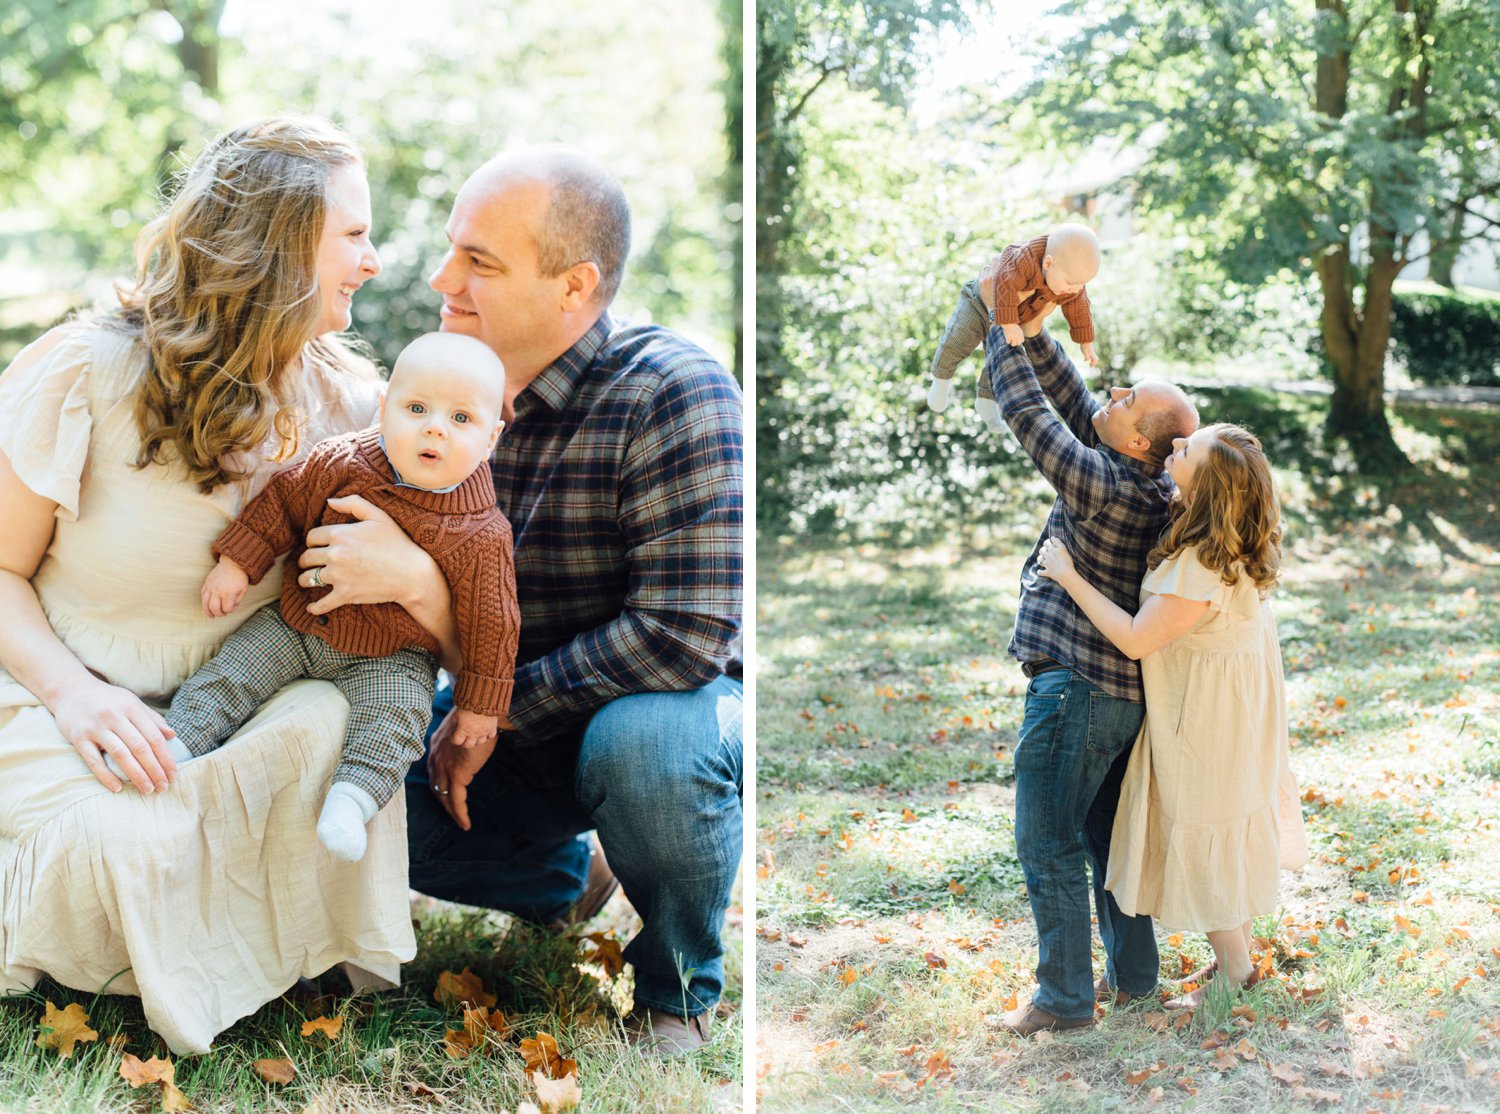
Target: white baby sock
{"points": [[989, 410], [341, 824], [175, 747], [938, 395]]}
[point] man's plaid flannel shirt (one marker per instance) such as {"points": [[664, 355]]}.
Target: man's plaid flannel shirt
{"points": [[1110, 511], [622, 476]]}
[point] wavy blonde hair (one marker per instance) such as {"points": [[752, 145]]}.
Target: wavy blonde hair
{"points": [[1232, 514], [225, 296]]}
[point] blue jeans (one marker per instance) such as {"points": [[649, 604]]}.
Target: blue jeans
{"points": [[658, 776], [1075, 744]]}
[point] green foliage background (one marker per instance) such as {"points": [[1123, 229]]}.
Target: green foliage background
{"points": [[101, 101]]}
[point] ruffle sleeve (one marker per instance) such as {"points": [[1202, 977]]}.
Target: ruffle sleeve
{"points": [[44, 415], [1183, 575]]}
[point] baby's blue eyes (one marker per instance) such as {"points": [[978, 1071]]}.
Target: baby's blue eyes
{"points": [[421, 408]]}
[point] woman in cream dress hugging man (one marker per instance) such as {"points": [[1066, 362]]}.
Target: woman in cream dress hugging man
{"points": [[128, 441], [1209, 810]]}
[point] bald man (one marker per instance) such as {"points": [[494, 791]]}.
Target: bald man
{"points": [[621, 475], [1084, 701], [1050, 271]]}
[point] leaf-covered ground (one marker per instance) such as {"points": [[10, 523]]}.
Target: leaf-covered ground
{"points": [[891, 915], [487, 1003]]}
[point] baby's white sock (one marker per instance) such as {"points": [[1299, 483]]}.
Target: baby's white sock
{"points": [[175, 747], [938, 394], [989, 410], [341, 824]]}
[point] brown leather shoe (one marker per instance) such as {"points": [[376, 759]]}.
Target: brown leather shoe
{"points": [[1028, 1019], [598, 888], [665, 1035]]}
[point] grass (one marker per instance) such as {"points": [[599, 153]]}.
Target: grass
{"points": [[389, 1055], [891, 915]]}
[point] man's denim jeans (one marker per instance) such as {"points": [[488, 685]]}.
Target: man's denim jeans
{"points": [[1075, 743], [658, 775]]}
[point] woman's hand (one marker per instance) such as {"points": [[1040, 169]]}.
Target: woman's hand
{"points": [[1054, 561], [105, 719], [370, 560], [451, 768]]}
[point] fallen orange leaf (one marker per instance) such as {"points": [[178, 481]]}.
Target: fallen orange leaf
{"points": [[542, 1055], [607, 953], [138, 1073], [463, 987], [328, 1026], [1286, 1074], [1136, 1078], [556, 1094], [275, 1071], [848, 976], [935, 960], [63, 1029]]}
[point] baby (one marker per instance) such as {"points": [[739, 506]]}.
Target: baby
{"points": [[425, 465], [1051, 268]]}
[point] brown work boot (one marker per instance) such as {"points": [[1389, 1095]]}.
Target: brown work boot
{"points": [[598, 888], [665, 1035], [1028, 1019]]}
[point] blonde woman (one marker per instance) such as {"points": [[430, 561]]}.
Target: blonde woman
{"points": [[127, 443], [1209, 809]]}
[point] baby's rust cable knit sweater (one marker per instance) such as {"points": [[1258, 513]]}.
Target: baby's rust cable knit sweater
{"points": [[462, 529]]}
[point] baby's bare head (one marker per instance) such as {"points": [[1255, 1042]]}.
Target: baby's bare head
{"points": [[441, 413], [1072, 258]]}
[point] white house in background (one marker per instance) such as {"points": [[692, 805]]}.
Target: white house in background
{"points": [[1095, 188]]}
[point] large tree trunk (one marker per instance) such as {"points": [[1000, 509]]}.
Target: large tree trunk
{"points": [[1356, 341], [1444, 255]]}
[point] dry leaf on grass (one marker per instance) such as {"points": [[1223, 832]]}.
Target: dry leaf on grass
{"points": [[465, 987], [542, 1057], [484, 1029], [422, 1091], [1318, 1097], [139, 1073], [1286, 1074], [556, 1094], [1136, 1078], [935, 960], [1332, 1068], [607, 953], [64, 1029], [328, 1026], [1156, 1021], [275, 1071]]}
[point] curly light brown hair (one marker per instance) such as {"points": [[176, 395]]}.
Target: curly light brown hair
{"points": [[1232, 513], [225, 297]]}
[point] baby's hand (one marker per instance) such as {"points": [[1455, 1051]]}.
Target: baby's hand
{"points": [[1088, 354], [470, 729], [224, 588], [1053, 560], [1013, 335]]}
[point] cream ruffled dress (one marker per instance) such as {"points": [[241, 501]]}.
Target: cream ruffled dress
{"points": [[211, 898], [1209, 808]]}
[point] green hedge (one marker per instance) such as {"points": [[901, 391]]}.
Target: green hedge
{"points": [[1448, 338]]}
